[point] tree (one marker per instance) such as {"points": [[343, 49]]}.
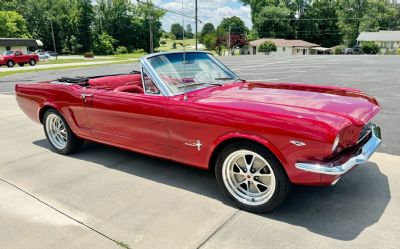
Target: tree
{"points": [[208, 28], [210, 40], [177, 30], [253, 35], [85, 20], [235, 24], [188, 33], [13, 25], [370, 47], [274, 22], [267, 47]]}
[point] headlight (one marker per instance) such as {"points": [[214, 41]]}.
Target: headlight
{"points": [[335, 143]]}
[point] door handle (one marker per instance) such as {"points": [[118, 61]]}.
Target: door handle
{"points": [[85, 95]]}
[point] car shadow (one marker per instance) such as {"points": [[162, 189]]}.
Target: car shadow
{"points": [[341, 212]]}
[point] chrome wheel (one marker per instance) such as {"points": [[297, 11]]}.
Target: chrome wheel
{"points": [[248, 177], [56, 131]]}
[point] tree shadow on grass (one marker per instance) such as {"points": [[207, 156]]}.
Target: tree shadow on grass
{"points": [[341, 212]]}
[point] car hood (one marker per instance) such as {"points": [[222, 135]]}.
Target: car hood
{"points": [[351, 104]]}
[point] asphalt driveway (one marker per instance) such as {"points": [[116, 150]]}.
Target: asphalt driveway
{"points": [[103, 197]]}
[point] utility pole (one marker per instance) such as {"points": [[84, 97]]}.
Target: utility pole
{"points": [[195, 19], [52, 35], [229, 41], [151, 31]]}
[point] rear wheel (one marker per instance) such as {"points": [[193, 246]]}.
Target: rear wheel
{"points": [[252, 177], [10, 63], [32, 62], [59, 134]]}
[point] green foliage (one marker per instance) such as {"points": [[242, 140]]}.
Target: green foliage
{"points": [[177, 31], [163, 42], [188, 33], [339, 49], [267, 47], [103, 44], [210, 41], [208, 28], [85, 22], [370, 47], [273, 22], [121, 50], [235, 24], [398, 51], [13, 25], [253, 35], [88, 55]]}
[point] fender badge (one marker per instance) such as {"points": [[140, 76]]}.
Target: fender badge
{"points": [[196, 144], [298, 143]]}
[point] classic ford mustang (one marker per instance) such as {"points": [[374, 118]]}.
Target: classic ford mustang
{"points": [[258, 137]]}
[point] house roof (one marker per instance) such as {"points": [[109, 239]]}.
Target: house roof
{"points": [[18, 42], [379, 36], [284, 43]]}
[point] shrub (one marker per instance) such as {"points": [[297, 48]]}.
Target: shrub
{"points": [[139, 51], [103, 44], [121, 50], [163, 42], [267, 47], [339, 49], [88, 55], [398, 51], [370, 47]]}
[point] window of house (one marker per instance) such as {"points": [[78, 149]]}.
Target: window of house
{"points": [[8, 48]]}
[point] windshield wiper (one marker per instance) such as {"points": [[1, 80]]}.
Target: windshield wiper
{"points": [[224, 78]]}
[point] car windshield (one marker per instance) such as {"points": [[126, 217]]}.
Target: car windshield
{"points": [[190, 71], [8, 52]]}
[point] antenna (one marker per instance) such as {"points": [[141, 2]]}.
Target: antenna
{"points": [[184, 55]]}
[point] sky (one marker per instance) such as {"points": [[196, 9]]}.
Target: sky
{"points": [[212, 11]]}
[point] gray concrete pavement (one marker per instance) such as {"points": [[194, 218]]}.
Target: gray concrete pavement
{"points": [[103, 195]]}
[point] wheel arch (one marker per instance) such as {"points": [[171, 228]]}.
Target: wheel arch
{"points": [[230, 138], [43, 110]]}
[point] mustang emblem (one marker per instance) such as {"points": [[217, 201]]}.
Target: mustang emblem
{"points": [[298, 143], [196, 144]]}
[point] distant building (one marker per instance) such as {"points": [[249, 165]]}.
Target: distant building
{"points": [[25, 45], [388, 41], [283, 47]]}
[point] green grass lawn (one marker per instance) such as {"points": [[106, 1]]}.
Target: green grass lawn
{"points": [[116, 57], [168, 47]]}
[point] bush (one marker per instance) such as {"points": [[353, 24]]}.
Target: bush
{"points": [[210, 40], [103, 44], [163, 42], [267, 47], [139, 51], [121, 50], [339, 49], [88, 55], [398, 51], [370, 47]]}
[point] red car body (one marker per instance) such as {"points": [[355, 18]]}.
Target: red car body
{"points": [[18, 57], [275, 115]]}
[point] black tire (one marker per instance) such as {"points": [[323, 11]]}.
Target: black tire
{"points": [[73, 143], [32, 62], [282, 183], [21, 64], [10, 63]]}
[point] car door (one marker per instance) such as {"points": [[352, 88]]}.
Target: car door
{"points": [[132, 120], [18, 57]]}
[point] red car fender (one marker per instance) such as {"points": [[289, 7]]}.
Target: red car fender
{"points": [[46, 105], [248, 136]]}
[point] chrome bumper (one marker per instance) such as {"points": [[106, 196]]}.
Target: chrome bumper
{"points": [[364, 153]]}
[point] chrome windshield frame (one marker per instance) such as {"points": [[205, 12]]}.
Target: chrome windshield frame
{"points": [[144, 62]]}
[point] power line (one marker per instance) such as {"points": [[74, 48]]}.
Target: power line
{"points": [[168, 10]]}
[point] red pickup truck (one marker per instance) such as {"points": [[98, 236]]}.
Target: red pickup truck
{"points": [[12, 57]]}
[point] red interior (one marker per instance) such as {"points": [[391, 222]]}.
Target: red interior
{"points": [[121, 83]]}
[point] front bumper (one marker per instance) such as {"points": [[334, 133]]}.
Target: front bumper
{"points": [[338, 167]]}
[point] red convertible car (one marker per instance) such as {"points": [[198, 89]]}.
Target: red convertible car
{"points": [[258, 137]]}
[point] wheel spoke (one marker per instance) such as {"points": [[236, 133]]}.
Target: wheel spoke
{"points": [[264, 179], [249, 164]]}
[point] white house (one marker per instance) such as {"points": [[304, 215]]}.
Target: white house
{"points": [[388, 41], [22, 44], [283, 47]]}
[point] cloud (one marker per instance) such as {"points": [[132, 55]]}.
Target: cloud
{"points": [[208, 11]]}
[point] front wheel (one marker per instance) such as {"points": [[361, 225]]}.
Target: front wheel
{"points": [[10, 63], [59, 134], [252, 177], [32, 62]]}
